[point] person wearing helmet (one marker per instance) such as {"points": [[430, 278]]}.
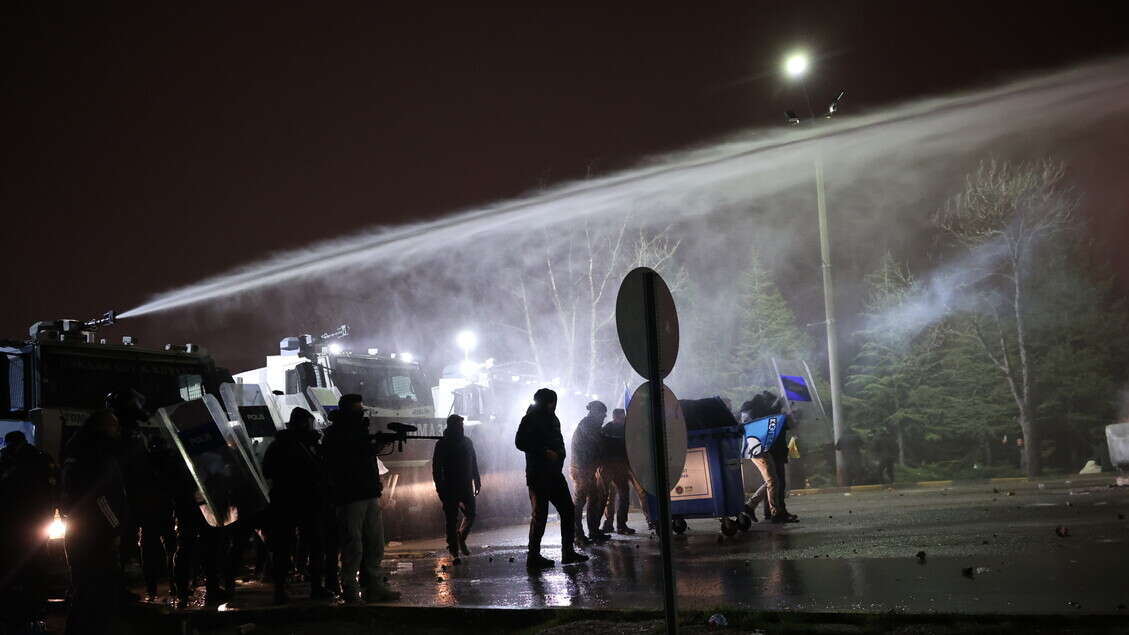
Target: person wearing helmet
{"points": [[587, 457], [150, 509], [297, 486]]}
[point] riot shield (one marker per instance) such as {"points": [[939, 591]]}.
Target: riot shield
{"points": [[226, 476], [256, 413], [324, 401]]}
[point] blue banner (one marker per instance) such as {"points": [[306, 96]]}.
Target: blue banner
{"points": [[760, 435], [795, 388]]}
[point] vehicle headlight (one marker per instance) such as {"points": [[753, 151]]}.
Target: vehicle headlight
{"points": [[57, 528]]}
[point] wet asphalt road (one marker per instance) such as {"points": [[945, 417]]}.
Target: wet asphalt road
{"points": [[986, 552]]}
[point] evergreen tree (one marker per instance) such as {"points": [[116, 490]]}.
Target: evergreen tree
{"points": [[766, 329], [888, 386]]}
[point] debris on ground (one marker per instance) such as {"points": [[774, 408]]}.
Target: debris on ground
{"points": [[1062, 531], [1011, 492]]}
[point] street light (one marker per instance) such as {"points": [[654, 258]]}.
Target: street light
{"points": [[467, 341], [795, 67], [796, 64]]}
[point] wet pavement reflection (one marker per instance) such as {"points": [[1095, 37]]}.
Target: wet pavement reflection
{"points": [[984, 550]]}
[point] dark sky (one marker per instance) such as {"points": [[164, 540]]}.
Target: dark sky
{"points": [[146, 147]]}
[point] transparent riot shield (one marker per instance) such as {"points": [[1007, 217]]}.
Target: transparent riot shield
{"points": [[226, 476], [324, 401], [256, 413]]}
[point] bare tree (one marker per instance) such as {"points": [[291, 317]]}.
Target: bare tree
{"points": [[566, 301], [1009, 210]]}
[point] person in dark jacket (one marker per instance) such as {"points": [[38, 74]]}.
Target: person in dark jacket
{"points": [[297, 487], [454, 468], [587, 457], [150, 514], [94, 502], [539, 437], [355, 488], [615, 474], [767, 404], [28, 497]]}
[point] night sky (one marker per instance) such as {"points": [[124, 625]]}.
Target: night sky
{"points": [[148, 147]]}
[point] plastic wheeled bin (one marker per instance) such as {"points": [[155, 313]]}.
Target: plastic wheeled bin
{"points": [[710, 485]]}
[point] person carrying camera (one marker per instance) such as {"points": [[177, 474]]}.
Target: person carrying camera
{"points": [[355, 489]]}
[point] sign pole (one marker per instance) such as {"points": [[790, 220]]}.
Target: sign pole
{"points": [[658, 425]]}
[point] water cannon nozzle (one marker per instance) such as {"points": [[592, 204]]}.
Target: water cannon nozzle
{"points": [[341, 332], [108, 318]]}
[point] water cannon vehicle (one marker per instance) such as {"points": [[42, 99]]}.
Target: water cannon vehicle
{"points": [[53, 379]]}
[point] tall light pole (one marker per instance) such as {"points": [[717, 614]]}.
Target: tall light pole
{"points": [[796, 67]]}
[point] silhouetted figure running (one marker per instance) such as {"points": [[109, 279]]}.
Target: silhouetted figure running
{"points": [[454, 468], [539, 436]]}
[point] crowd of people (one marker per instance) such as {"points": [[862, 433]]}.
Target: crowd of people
{"points": [[126, 497]]}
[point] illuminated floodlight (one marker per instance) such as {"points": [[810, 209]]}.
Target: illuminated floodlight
{"points": [[796, 65], [466, 341], [468, 369], [56, 529], [407, 357], [335, 348]]}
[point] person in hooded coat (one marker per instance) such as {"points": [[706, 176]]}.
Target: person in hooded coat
{"points": [[587, 457], [454, 468], [298, 487], [355, 488], [539, 437], [94, 503]]}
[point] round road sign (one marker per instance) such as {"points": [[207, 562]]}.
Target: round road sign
{"points": [[638, 435], [631, 321]]}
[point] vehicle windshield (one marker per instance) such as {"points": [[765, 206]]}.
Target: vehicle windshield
{"points": [[82, 378], [381, 384]]}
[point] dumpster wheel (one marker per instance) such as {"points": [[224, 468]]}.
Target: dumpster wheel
{"points": [[744, 522], [678, 525], [728, 526]]}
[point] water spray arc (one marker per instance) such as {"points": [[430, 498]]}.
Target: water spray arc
{"points": [[725, 169]]}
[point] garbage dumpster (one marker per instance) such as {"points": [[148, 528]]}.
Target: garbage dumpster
{"points": [[710, 485]]}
